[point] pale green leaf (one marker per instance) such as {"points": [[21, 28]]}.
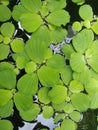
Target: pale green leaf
{"points": [[83, 12], [30, 114], [59, 117], [77, 62], [23, 102], [17, 45], [75, 116], [94, 101], [5, 96], [78, 2], [77, 26], [68, 124], [7, 29], [68, 108], [6, 125], [48, 76], [47, 112], [58, 94], [95, 27], [4, 51], [58, 18], [5, 13], [32, 5], [43, 95], [80, 101], [7, 79], [28, 84], [30, 21]]}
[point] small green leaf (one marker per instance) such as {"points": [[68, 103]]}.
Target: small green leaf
{"points": [[95, 27], [32, 5], [23, 102], [30, 67], [43, 95], [5, 13], [54, 5], [4, 51], [59, 117], [28, 84], [30, 21], [58, 18], [5, 96], [7, 29], [6, 65], [9, 76], [59, 107], [77, 26], [48, 76], [1, 38], [30, 114], [94, 101], [6, 40], [75, 116], [66, 75], [77, 62], [78, 2], [6, 110], [57, 62], [83, 12], [6, 125], [58, 94], [17, 45], [68, 108], [80, 101], [76, 86], [47, 112], [68, 124]]}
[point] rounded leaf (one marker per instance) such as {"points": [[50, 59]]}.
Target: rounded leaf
{"points": [[30, 21], [75, 116], [6, 125], [58, 94], [77, 26], [28, 84], [5, 13], [7, 29], [4, 51], [80, 101], [83, 12]]}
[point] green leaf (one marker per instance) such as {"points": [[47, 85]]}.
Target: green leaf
{"points": [[67, 50], [30, 21], [4, 2], [83, 12], [17, 45], [32, 5], [36, 50], [68, 108], [5, 13], [48, 76], [91, 87], [30, 114], [38, 34], [75, 116], [57, 62], [6, 65], [94, 101], [77, 26], [28, 84], [1, 38], [80, 101], [5, 96], [6, 40], [30, 67], [44, 10], [54, 5], [83, 40], [18, 10], [77, 62], [59, 117], [47, 112], [4, 51], [7, 29], [23, 102], [6, 125], [85, 74], [6, 110], [58, 18], [43, 95], [59, 107], [94, 27], [7, 79], [58, 94], [76, 86], [66, 75], [78, 2], [68, 125], [57, 35]]}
